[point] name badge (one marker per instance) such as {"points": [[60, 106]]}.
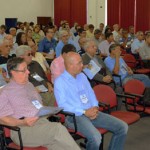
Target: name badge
{"points": [[37, 104], [37, 77], [83, 98]]}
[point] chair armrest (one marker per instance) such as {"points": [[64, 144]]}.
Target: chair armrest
{"points": [[126, 96], [14, 128], [136, 95], [67, 113], [105, 106]]}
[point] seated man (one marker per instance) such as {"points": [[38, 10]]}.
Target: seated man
{"points": [[37, 76], [74, 93], [64, 39], [104, 45], [4, 51], [144, 51], [17, 101], [48, 44], [57, 66], [117, 66], [137, 43]]}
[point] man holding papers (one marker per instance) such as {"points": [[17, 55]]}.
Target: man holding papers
{"points": [[19, 99]]}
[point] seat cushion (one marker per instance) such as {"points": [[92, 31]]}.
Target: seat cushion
{"points": [[128, 117]]}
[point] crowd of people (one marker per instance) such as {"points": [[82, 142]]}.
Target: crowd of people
{"points": [[29, 53]]}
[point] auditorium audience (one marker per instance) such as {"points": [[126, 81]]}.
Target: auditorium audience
{"points": [[19, 99]]}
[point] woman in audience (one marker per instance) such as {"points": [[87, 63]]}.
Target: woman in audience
{"points": [[21, 39], [29, 35], [36, 35]]}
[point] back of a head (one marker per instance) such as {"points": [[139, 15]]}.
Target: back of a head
{"points": [[68, 48]]}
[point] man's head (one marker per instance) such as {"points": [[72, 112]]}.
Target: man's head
{"points": [[81, 32], [109, 37], [5, 48], [67, 48], [24, 52], [9, 37], [12, 31], [101, 26], [116, 27], [82, 41], [97, 33], [114, 48], [90, 47], [73, 63], [131, 29], [64, 36], [49, 32], [147, 37], [140, 35], [17, 70]]}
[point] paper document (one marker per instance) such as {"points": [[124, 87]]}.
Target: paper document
{"points": [[48, 110], [91, 70]]}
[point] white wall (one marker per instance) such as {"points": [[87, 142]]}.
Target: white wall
{"points": [[96, 12], [25, 10]]}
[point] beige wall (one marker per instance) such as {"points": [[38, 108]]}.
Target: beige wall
{"points": [[25, 10], [96, 11], [28, 10]]}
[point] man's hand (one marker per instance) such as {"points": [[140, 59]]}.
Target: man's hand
{"points": [[107, 79], [130, 72], [92, 112], [30, 121]]}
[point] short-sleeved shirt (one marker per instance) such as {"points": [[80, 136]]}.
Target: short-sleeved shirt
{"points": [[16, 100], [110, 63], [45, 45]]}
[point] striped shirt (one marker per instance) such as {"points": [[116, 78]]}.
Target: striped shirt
{"points": [[16, 100]]}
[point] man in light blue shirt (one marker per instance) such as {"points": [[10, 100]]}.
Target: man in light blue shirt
{"points": [[64, 39], [74, 93], [118, 66]]}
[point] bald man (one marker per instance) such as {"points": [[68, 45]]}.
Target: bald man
{"points": [[74, 93]]}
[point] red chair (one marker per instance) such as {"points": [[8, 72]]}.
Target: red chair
{"points": [[12, 145], [136, 88], [106, 95], [75, 134], [133, 64]]}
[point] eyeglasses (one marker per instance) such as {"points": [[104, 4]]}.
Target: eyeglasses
{"points": [[24, 70]]}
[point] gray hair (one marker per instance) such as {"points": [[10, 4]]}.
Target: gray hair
{"points": [[21, 50], [62, 32], [138, 33], [87, 43]]}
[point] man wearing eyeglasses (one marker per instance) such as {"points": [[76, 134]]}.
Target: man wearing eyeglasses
{"points": [[37, 76], [18, 108]]}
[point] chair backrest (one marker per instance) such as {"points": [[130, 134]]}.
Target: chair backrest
{"points": [[134, 86], [105, 94], [130, 60]]}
